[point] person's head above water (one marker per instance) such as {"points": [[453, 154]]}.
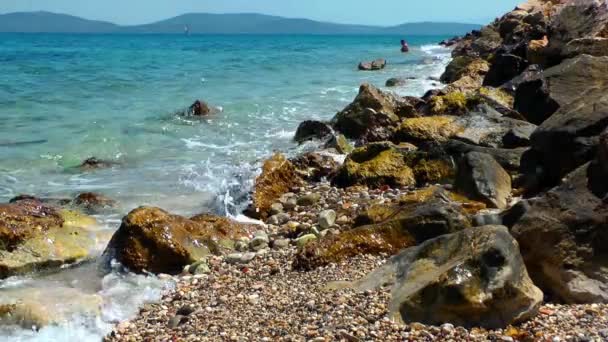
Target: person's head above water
{"points": [[402, 42]]}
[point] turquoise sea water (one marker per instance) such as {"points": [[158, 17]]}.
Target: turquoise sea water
{"points": [[64, 98]]}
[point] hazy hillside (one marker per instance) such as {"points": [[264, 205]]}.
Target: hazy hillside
{"points": [[51, 22], [203, 23]]}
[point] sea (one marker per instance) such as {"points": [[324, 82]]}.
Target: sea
{"points": [[121, 98]]}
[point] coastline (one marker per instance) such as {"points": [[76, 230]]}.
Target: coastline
{"points": [[451, 209]]}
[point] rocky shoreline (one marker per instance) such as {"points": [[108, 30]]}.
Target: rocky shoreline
{"points": [[475, 212]]}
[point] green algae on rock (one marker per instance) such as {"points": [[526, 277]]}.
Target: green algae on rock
{"points": [[152, 240]]}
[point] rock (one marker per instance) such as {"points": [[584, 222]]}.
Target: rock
{"points": [[151, 239], [504, 68], [310, 130], [278, 177], [595, 46], [276, 208], [562, 237], [279, 219], [199, 108], [465, 66], [281, 243], [395, 82], [453, 103], [480, 177], [340, 143], [540, 97], [327, 218], [482, 126], [472, 278], [94, 203], [239, 258], [302, 241], [387, 230], [309, 199], [585, 19], [509, 159], [93, 163], [384, 163], [315, 166], [378, 64], [36, 236], [372, 115], [536, 51], [518, 136], [260, 241], [569, 138]]}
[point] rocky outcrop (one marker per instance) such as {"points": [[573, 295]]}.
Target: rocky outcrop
{"points": [[152, 240], [568, 138], [372, 116], [389, 229], [472, 278], [310, 130], [37, 236], [563, 237], [378, 64], [395, 82], [383, 163], [481, 178], [278, 177]]}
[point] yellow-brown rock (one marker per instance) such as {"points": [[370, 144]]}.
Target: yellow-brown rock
{"points": [[151, 239], [278, 177]]}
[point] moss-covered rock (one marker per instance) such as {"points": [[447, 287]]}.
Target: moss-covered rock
{"points": [[453, 103], [278, 177], [375, 165], [36, 236], [438, 128], [384, 163], [151, 239], [390, 229]]}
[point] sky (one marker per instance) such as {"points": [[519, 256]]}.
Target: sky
{"points": [[368, 12]]}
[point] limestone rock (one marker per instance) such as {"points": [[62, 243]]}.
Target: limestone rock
{"points": [[377, 64]]}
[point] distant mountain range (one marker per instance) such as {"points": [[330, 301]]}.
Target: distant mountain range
{"points": [[205, 23]]}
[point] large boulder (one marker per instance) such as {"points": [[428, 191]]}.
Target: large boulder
{"points": [[563, 237], [389, 229], [278, 177], [504, 68], [462, 66], [372, 116], [481, 178], [384, 163], [310, 130], [152, 240], [472, 278], [36, 236], [578, 27], [508, 158], [541, 96], [569, 138]]}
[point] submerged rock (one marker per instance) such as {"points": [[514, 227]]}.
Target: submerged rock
{"points": [[152, 240], [94, 203], [94, 163], [199, 108], [378, 64], [472, 278], [395, 82], [36, 236]]}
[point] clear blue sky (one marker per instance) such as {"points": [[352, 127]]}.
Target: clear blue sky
{"points": [[374, 12]]}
